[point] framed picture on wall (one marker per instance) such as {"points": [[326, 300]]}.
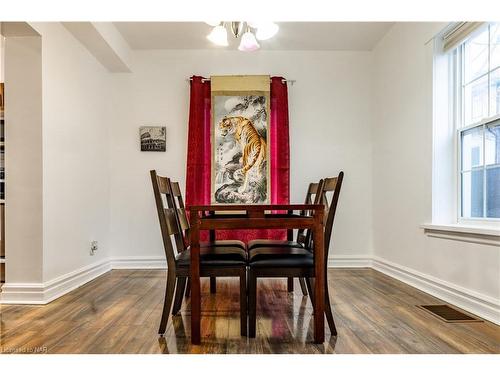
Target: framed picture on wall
{"points": [[240, 140], [153, 138], [240, 172]]}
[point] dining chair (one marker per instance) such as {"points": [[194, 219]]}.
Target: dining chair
{"points": [[281, 261], [226, 261], [331, 185], [300, 241], [181, 210]]}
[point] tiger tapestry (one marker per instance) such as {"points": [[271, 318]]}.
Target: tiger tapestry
{"points": [[240, 164]]}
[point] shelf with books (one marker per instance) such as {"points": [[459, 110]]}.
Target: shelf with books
{"points": [[2, 186]]}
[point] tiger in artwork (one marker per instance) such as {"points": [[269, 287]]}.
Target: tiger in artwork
{"points": [[253, 146]]}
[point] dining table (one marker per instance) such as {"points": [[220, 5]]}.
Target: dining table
{"points": [[257, 216]]}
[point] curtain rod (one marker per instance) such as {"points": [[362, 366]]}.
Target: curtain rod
{"points": [[291, 81]]}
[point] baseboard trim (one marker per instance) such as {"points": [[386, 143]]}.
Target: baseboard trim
{"points": [[158, 262], [133, 262], [38, 294], [43, 293], [349, 261], [478, 304], [22, 294], [338, 261]]}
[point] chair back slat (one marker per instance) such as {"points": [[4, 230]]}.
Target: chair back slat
{"points": [[330, 183], [302, 234], [162, 185], [334, 184], [173, 204], [313, 188], [182, 216], [176, 191], [171, 220], [177, 194], [166, 214], [317, 200], [326, 186], [183, 219]]}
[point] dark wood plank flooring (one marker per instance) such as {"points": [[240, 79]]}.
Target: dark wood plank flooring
{"points": [[119, 312]]}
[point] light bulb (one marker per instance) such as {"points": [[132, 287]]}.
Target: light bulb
{"points": [[266, 30], [248, 42], [218, 36]]}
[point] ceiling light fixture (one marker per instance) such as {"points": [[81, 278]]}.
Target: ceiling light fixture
{"points": [[218, 36], [261, 30], [266, 30], [248, 42], [237, 28]]}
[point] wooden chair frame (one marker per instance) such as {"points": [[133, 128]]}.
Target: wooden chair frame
{"points": [[171, 223], [324, 186]]}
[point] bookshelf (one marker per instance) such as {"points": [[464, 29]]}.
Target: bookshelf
{"points": [[2, 186]]}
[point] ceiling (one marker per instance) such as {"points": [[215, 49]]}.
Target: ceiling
{"points": [[359, 36]]}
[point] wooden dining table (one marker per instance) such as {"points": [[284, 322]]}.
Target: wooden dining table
{"points": [[218, 217]]}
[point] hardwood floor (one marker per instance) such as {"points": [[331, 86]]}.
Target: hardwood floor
{"points": [[120, 311]]}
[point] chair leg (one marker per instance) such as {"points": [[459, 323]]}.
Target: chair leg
{"points": [[243, 303], [309, 284], [328, 306], [188, 288], [179, 294], [328, 312], [290, 284], [252, 303], [303, 286], [167, 303], [213, 285]]}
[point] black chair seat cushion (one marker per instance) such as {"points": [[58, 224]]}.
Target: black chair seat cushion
{"points": [[225, 243], [225, 256], [264, 257], [267, 243], [281, 247]]}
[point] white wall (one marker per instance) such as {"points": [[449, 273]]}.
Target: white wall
{"points": [[76, 123], [402, 169], [23, 160], [330, 120]]}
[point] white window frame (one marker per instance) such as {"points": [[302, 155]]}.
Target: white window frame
{"points": [[459, 116]]}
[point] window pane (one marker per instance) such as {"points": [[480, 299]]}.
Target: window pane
{"points": [[492, 144], [495, 45], [472, 194], [493, 192], [472, 148], [476, 101], [476, 56], [495, 93]]}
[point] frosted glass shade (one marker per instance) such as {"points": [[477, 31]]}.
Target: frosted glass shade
{"points": [[248, 42], [266, 30], [218, 36]]}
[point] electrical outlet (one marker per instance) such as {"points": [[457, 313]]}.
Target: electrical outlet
{"points": [[93, 247]]}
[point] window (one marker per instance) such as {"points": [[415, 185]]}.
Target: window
{"points": [[478, 124]]}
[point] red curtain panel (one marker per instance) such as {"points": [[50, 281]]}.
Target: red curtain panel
{"points": [[199, 154], [280, 143]]}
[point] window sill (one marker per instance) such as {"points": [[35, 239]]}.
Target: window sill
{"points": [[466, 233]]}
